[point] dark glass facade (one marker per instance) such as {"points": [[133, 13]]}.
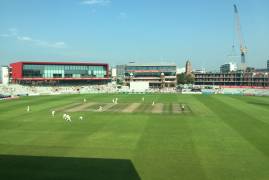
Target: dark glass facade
{"points": [[63, 71]]}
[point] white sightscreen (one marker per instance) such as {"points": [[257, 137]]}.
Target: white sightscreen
{"points": [[139, 86]]}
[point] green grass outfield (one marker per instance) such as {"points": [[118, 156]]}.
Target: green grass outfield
{"points": [[223, 137]]}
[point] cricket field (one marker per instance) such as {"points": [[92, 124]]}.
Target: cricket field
{"points": [[212, 137]]}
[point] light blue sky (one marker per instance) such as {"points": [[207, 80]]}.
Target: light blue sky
{"points": [[118, 31]]}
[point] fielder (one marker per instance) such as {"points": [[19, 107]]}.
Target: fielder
{"points": [[153, 103], [84, 100], [81, 117], [100, 108], [28, 108], [182, 107], [53, 113], [68, 118]]}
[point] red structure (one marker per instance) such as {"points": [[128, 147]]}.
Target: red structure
{"points": [[22, 72]]}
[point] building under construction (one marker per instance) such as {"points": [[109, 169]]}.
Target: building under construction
{"points": [[229, 76], [238, 78]]}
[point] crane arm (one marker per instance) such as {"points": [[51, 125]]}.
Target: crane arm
{"points": [[243, 48]]}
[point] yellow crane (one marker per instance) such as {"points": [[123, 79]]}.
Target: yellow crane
{"points": [[243, 48]]}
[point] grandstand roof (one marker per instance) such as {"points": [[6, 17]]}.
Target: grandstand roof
{"points": [[135, 64], [59, 63]]}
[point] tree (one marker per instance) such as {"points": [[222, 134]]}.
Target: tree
{"points": [[181, 79], [185, 79], [189, 79]]}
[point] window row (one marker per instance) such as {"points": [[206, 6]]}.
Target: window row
{"points": [[61, 74], [166, 68], [62, 67]]}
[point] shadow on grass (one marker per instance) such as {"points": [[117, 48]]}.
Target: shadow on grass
{"points": [[38, 167], [260, 104]]}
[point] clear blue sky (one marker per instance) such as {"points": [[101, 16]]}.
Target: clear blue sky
{"points": [[118, 31]]}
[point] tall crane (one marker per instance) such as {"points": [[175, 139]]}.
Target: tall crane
{"points": [[243, 48]]}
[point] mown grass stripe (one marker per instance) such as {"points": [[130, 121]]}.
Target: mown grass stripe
{"points": [[248, 126]]}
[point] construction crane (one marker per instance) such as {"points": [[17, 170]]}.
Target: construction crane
{"points": [[243, 49]]}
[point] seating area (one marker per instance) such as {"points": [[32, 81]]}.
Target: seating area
{"points": [[23, 90], [238, 91]]}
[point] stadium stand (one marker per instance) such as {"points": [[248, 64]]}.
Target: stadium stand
{"points": [[22, 90], [238, 91], [25, 90]]}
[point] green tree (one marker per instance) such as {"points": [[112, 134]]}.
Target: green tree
{"points": [[189, 79], [181, 79], [185, 79]]}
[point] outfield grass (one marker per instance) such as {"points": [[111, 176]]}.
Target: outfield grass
{"points": [[223, 137]]}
